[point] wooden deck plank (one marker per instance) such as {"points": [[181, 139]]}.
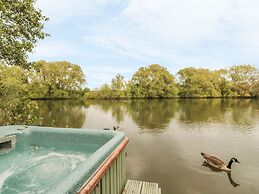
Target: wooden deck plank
{"points": [[149, 188], [140, 187], [132, 187]]}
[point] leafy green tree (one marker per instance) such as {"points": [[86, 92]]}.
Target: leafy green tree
{"points": [[199, 82], [119, 87], [21, 25], [19, 111], [13, 81], [116, 90], [243, 78], [225, 84], [255, 88], [153, 81], [105, 91], [56, 80]]}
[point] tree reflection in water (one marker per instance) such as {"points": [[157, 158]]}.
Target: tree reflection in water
{"points": [[153, 115], [118, 108], [62, 113], [232, 111]]}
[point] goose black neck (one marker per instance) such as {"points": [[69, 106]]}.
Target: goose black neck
{"points": [[230, 163]]}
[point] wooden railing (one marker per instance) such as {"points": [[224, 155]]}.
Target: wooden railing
{"points": [[110, 178]]}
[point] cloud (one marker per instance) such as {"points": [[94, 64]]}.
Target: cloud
{"points": [[211, 34], [62, 10], [180, 22], [180, 30], [117, 42], [55, 49]]}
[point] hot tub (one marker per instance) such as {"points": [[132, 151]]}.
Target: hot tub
{"points": [[61, 160]]}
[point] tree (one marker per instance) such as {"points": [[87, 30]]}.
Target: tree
{"points": [[153, 81], [244, 79], [56, 80], [255, 88], [13, 81], [19, 111], [199, 82], [104, 92], [118, 87], [225, 84], [21, 25]]}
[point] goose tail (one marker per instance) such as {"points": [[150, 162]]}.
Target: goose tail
{"points": [[203, 154]]}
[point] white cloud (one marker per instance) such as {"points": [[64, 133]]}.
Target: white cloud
{"points": [[61, 10], [150, 28], [201, 33], [178, 22], [115, 41], [54, 49]]}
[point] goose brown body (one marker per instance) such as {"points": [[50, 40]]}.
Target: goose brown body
{"points": [[218, 163]]}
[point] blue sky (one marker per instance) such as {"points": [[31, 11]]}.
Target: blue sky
{"points": [[106, 37]]}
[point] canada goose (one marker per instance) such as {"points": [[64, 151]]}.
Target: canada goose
{"points": [[217, 163], [116, 128]]}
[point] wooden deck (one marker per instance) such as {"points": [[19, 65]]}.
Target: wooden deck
{"points": [[140, 187]]}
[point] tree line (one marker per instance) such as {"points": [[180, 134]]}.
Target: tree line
{"points": [[155, 81], [42, 80], [21, 27]]}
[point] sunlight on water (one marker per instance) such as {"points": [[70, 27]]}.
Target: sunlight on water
{"points": [[36, 170]]}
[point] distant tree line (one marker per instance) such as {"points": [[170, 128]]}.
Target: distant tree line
{"points": [[42, 80], [156, 81]]}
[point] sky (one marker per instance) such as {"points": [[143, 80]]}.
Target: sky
{"points": [[107, 37]]}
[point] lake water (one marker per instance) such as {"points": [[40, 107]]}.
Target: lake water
{"points": [[167, 136]]}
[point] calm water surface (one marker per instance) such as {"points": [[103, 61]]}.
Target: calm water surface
{"points": [[167, 136]]}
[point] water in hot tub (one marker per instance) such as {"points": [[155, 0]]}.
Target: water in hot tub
{"points": [[36, 169]]}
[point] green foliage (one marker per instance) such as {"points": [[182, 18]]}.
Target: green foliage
{"points": [[19, 111], [13, 81], [238, 81], [105, 91], [21, 25], [118, 89], [56, 80], [199, 82], [154, 81], [244, 79], [255, 88], [42, 80], [118, 86]]}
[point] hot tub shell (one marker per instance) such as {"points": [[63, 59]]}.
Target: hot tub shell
{"points": [[104, 170]]}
